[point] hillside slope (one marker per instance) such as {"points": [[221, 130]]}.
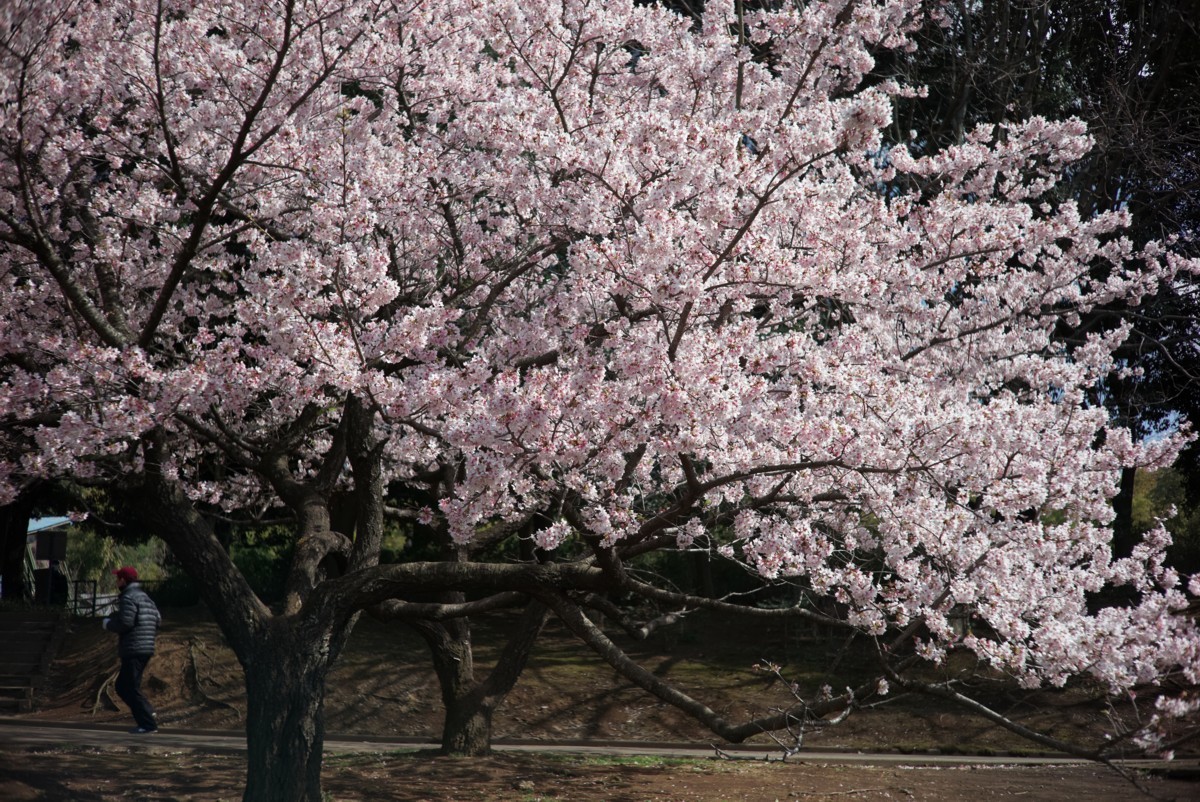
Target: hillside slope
{"points": [[384, 685]]}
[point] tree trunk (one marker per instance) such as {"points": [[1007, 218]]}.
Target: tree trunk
{"points": [[285, 721], [467, 728], [286, 657], [702, 574], [14, 526], [1124, 538]]}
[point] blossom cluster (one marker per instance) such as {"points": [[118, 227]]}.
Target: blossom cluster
{"points": [[586, 251]]}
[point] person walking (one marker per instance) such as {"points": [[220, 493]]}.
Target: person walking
{"points": [[136, 623]]}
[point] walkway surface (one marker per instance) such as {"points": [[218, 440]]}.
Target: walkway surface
{"points": [[17, 732]]}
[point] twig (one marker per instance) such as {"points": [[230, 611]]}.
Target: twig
{"points": [[855, 792], [1132, 778]]}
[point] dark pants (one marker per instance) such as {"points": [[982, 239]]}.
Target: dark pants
{"points": [[129, 688]]}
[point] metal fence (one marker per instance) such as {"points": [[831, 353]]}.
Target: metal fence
{"points": [[86, 600]]}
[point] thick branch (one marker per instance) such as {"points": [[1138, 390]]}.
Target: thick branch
{"points": [[515, 655], [396, 610], [372, 586], [579, 624], [173, 517], [310, 552]]}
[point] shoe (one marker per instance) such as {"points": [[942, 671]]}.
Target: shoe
{"points": [[143, 730]]}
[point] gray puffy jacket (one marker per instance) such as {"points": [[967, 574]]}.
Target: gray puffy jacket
{"points": [[136, 621]]}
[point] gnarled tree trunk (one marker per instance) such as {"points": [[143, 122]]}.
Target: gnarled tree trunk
{"points": [[470, 705], [286, 657], [285, 727]]}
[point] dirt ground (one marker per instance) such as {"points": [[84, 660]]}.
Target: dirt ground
{"points": [[149, 775], [383, 686]]}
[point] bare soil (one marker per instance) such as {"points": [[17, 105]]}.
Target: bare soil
{"points": [[384, 686]]}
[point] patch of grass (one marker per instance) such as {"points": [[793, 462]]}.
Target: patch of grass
{"points": [[636, 761], [354, 760]]}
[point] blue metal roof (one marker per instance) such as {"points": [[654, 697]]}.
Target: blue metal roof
{"points": [[42, 524]]}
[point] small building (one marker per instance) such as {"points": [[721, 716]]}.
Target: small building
{"points": [[46, 545]]}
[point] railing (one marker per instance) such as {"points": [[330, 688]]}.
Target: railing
{"points": [[30, 566], [86, 600]]}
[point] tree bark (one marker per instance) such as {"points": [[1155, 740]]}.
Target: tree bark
{"points": [[14, 526], [285, 658], [470, 705], [1124, 538], [285, 720], [467, 727]]}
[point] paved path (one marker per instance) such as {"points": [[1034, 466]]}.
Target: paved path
{"points": [[16, 732]]}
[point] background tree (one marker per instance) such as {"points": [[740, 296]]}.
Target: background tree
{"points": [[1131, 71], [590, 276], [14, 529], [1165, 494]]}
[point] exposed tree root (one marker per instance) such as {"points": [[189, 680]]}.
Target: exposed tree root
{"points": [[196, 682], [104, 697]]}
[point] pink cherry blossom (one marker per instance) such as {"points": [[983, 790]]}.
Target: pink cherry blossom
{"points": [[663, 293]]}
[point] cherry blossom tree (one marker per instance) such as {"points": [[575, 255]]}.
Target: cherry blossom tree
{"points": [[583, 274], [1131, 71]]}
